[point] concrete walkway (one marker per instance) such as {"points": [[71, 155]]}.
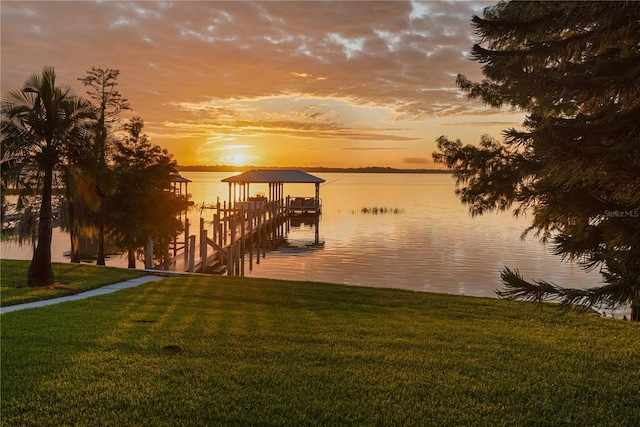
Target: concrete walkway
{"points": [[99, 291]]}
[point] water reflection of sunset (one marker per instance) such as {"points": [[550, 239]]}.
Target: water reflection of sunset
{"points": [[430, 244]]}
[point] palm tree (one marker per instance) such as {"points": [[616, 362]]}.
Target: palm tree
{"points": [[41, 124]]}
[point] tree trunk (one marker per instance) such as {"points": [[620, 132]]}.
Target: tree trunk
{"points": [[635, 308], [75, 247], [3, 209], [40, 272], [101, 259], [73, 235], [101, 138], [131, 255]]}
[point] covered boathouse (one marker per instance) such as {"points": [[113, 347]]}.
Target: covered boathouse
{"points": [[239, 186]]}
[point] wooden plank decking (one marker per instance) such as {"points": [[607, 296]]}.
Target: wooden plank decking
{"points": [[233, 235]]}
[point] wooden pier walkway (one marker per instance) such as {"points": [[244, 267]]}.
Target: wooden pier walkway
{"points": [[241, 227], [246, 230]]}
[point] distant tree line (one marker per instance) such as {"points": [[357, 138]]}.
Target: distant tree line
{"points": [[114, 182], [574, 69], [365, 169]]}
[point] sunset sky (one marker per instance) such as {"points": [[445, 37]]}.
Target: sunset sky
{"points": [[339, 84]]}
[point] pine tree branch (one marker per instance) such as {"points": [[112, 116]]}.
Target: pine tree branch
{"points": [[614, 294]]}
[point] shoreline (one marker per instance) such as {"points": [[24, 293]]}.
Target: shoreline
{"points": [[368, 169], [618, 313]]}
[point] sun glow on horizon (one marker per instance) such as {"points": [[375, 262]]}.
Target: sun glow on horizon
{"points": [[237, 159], [234, 154]]}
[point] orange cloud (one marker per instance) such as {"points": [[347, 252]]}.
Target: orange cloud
{"points": [[194, 70]]}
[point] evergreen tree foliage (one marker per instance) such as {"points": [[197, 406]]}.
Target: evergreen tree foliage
{"points": [[574, 68], [143, 205], [102, 90]]}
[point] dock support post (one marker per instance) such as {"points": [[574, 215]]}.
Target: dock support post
{"points": [[265, 232], [216, 222], [175, 245], [186, 239], [238, 259], [225, 219], [203, 244], [232, 226], [251, 236], [203, 250], [229, 260], [258, 233], [232, 247], [192, 253], [243, 215]]}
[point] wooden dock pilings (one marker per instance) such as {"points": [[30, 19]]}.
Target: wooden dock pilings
{"points": [[245, 229], [246, 224]]}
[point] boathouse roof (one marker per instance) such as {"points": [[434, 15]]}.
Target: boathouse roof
{"points": [[274, 176], [179, 178]]}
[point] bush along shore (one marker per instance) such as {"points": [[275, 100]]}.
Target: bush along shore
{"points": [[199, 350]]}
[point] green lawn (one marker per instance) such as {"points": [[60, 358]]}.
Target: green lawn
{"points": [[207, 351], [70, 279]]}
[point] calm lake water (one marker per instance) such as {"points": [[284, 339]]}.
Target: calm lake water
{"points": [[428, 242]]}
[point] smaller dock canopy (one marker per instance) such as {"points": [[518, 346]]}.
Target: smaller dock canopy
{"points": [[176, 184], [276, 178]]}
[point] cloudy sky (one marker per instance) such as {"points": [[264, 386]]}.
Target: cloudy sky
{"points": [[273, 83]]}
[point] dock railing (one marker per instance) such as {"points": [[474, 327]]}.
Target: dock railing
{"points": [[237, 229], [304, 204]]}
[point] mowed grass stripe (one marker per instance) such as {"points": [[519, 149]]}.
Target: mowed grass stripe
{"points": [[227, 351]]}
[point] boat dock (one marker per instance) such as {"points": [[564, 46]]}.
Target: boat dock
{"points": [[244, 227]]}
